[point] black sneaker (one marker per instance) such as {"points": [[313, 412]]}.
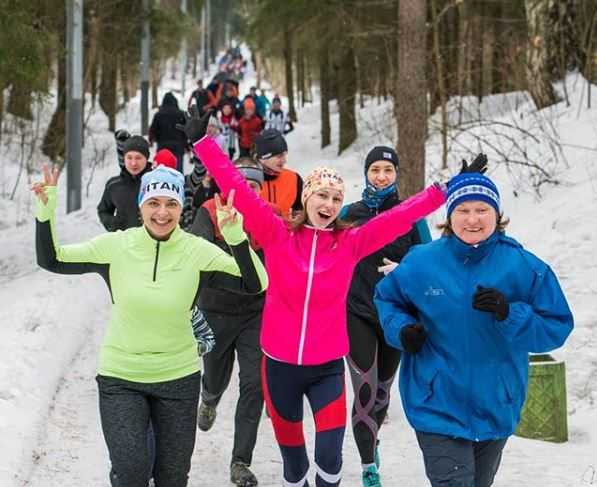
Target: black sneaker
{"points": [[241, 475], [206, 416]]}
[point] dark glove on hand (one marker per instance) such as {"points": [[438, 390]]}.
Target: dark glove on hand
{"points": [[413, 337], [195, 125], [122, 135], [491, 301], [479, 165]]}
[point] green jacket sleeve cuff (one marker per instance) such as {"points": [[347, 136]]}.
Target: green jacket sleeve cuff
{"points": [[232, 232], [46, 211]]}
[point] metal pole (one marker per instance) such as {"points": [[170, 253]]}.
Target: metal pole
{"points": [[208, 32], [203, 37], [183, 61], [74, 102], [145, 64]]}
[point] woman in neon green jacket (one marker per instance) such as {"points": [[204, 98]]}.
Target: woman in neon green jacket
{"points": [[148, 363]]}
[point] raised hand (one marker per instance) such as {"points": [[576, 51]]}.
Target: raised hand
{"points": [[479, 165], [50, 179], [195, 126], [226, 213]]}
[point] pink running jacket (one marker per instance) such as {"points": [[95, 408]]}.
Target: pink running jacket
{"points": [[309, 269]]}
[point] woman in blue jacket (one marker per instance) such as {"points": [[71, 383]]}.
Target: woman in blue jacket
{"points": [[468, 309]]}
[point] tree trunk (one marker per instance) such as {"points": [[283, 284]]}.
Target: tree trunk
{"points": [[324, 87], [300, 77], [288, 71], [410, 94], [1, 108], [53, 143], [488, 53], [464, 48], [257, 64], [309, 81], [156, 78], [441, 84], [19, 101], [539, 86], [124, 81], [476, 54], [347, 88], [107, 95]]}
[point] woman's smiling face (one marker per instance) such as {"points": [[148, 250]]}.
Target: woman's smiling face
{"points": [[473, 221], [323, 207], [160, 216]]}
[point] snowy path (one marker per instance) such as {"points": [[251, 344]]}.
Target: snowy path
{"points": [[73, 451], [51, 328]]}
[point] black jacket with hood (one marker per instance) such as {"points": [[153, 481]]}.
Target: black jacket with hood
{"points": [[163, 126], [118, 209]]}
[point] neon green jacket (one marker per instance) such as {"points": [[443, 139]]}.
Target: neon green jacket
{"points": [[153, 286]]}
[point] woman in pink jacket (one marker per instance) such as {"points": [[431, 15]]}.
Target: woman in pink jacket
{"points": [[304, 337]]}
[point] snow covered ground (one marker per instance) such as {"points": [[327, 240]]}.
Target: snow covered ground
{"points": [[51, 326]]}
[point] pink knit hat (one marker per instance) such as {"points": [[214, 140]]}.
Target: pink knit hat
{"points": [[321, 178]]}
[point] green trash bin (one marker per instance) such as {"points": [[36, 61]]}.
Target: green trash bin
{"points": [[544, 415]]}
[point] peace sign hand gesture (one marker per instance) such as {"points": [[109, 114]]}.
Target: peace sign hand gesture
{"points": [[50, 179], [230, 221]]}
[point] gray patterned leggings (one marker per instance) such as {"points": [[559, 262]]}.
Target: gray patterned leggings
{"points": [[125, 410]]}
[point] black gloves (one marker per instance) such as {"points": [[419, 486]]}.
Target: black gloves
{"points": [[479, 165], [195, 125], [122, 135], [491, 301], [413, 337]]}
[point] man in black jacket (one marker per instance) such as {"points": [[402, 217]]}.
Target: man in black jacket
{"points": [[236, 323], [163, 129], [118, 209]]}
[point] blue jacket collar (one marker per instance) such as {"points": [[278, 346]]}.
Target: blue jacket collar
{"points": [[474, 253]]}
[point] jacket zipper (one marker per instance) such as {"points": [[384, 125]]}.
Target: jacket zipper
{"points": [[155, 264], [470, 379], [307, 299]]}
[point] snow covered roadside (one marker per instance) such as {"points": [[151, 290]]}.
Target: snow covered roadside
{"points": [[51, 326], [44, 321]]}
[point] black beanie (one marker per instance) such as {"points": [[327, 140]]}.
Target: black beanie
{"points": [[269, 143], [136, 143], [382, 153]]}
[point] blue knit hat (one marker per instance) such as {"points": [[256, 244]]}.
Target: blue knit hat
{"points": [[162, 181], [472, 187]]}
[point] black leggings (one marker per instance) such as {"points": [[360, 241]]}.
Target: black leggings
{"points": [[238, 334], [372, 364], [125, 410]]}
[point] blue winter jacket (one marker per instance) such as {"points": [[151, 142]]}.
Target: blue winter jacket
{"points": [[470, 378]]}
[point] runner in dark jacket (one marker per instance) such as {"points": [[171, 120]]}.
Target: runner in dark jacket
{"points": [[163, 129], [372, 362], [236, 322], [119, 209]]}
